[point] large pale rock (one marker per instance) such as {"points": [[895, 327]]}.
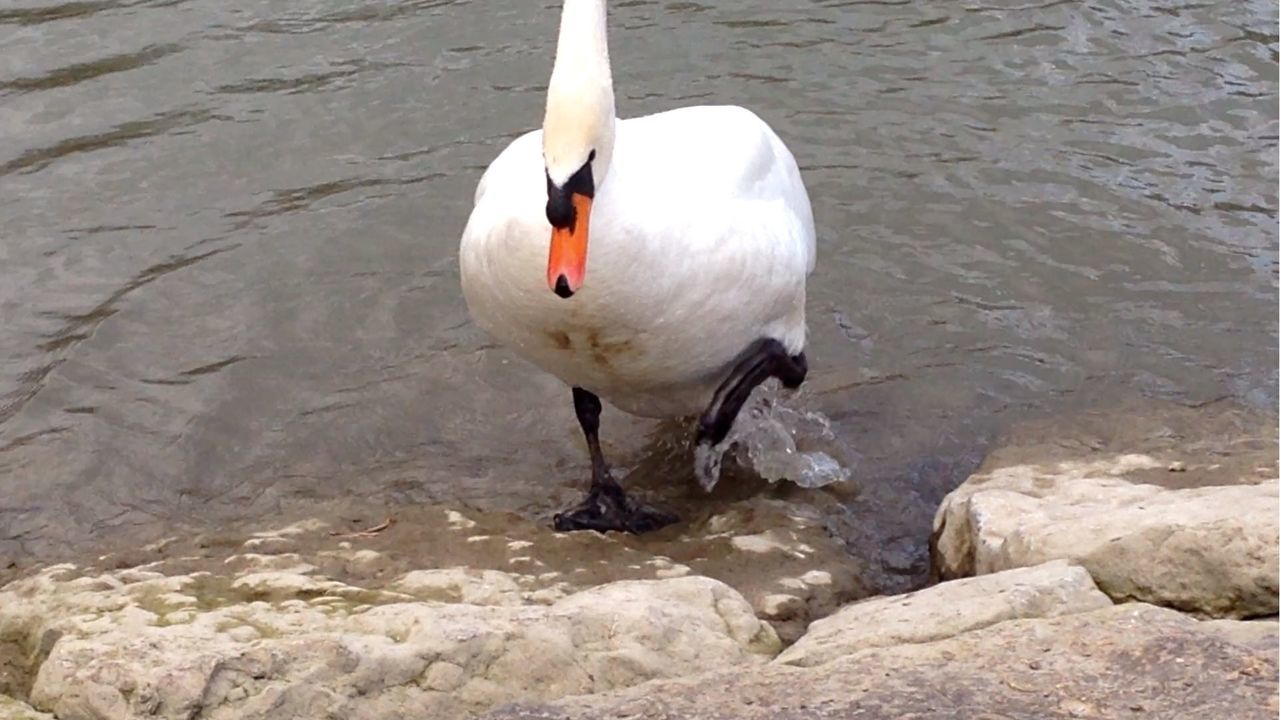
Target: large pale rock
{"points": [[1055, 588], [11, 709], [1209, 549], [1124, 661], [128, 644], [1260, 634], [438, 614]]}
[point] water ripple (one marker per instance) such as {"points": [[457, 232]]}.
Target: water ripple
{"points": [[1023, 207], [36, 15], [164, 123]]}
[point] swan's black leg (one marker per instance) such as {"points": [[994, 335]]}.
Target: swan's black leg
{"points": [[606, 506], [761, 360]]}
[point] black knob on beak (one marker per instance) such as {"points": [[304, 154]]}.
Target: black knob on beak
{"points": [[562, 287]]}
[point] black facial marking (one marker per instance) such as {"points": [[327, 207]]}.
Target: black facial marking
{"points": [[560, 210]]}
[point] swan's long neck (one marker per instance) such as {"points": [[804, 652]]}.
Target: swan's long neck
{"points": [[583, 44], [580, 109]]}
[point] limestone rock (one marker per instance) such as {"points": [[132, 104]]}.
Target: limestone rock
{"points": [[366, 564], [1131, 660], [11, 709], [780, 606], [177, 646], [781, 558], [282, 562], [270, 545], [1048, 590], [1260, 634], [464, 585], [1211, 550]]}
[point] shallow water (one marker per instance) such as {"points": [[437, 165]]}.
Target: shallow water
{"points": [[228, 284]]}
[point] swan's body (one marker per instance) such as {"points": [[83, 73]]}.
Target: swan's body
{"points": [[685, 269], [659, 262]]}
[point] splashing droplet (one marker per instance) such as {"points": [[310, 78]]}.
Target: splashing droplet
{"points": [[779, 442]]}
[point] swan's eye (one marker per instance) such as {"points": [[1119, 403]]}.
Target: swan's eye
{"points": [[592, 156]]}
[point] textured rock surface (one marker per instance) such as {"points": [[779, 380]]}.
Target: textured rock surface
{"points": [[948, 609], [11, 709], [1209, 549], [444, 613], [1258, 634], [461, 585], [282, 644], [440, 612], [781, 558], [1125, 661], [760, 546]]}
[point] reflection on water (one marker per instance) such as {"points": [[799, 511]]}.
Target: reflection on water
{"points": [[229, 283]]}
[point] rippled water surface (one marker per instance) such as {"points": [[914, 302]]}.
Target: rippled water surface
{"points": [[228, 278]]}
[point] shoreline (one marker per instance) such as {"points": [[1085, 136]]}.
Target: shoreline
{"points": [[1122, 539]]}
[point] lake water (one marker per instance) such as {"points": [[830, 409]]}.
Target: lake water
{"points": [[228, 276]]}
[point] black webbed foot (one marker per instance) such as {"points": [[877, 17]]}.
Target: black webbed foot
{"points": [[607, 507], [761, 360]]}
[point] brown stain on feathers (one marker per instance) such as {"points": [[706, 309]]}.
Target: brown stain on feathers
{"points": [[603, 351]]}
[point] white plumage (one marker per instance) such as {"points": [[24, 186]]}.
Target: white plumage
{"points": [[701, 240], [701, 237]]}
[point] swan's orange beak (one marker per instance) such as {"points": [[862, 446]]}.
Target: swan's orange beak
{"points": [[567, 266]]}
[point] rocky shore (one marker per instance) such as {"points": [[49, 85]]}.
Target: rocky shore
{"points": [[1109, 575]]}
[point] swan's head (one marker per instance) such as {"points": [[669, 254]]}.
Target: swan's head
{"points": [[577, 139]]}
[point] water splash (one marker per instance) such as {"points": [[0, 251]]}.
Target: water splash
{"points": [[779, 441]]}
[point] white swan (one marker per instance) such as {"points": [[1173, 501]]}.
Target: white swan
{"points": [[659, 261]]}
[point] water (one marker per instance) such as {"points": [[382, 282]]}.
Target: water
{"points": [[228, 279], [778, 439]]}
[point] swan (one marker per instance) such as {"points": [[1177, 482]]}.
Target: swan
{"points": [[658, 262]]}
